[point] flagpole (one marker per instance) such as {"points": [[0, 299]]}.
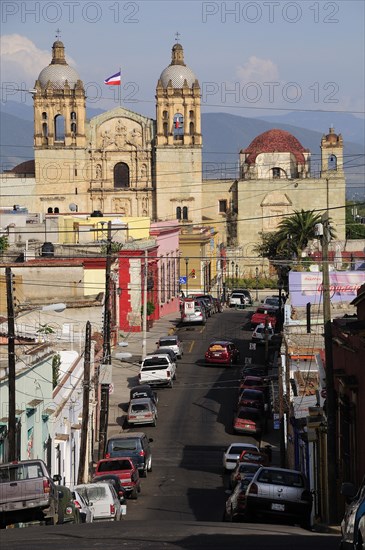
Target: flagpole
{"points": [[120, 87]]}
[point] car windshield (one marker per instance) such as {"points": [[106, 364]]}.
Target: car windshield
{"points": [[93, 493], [249, 415], [155, 361], [114, 465], [252, 468], [139, 408], [251, 394], [122, 445], [272, 301], [250, 382], [236, 450], [167, 342], [280, 477]]}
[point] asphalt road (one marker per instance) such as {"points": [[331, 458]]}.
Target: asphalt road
{"points": [[182, 500]]}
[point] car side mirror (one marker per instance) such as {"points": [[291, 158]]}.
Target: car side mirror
{"points": [[56, 477], [150, 439]]}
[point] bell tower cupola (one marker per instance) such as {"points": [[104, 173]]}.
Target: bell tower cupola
{"points": [[332, 155], [59, 104]]}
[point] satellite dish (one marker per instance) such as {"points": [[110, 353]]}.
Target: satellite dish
{"points": [[73, 207]]}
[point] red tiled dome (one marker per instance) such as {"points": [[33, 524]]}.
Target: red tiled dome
{"points": [[26, 167], [275, 141]]}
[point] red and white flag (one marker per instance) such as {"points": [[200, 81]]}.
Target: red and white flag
{"points": [[114, 80]]}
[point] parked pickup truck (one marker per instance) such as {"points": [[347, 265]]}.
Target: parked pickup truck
{"points": [[125, 469], [157, 370], [27, 493]]}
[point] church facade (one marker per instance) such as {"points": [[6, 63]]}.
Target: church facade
{"points": [[126, 164]]}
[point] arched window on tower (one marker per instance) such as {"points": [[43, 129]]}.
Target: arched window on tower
{"points": [[45, 132], [44, 116], [178, 126], [278, 173], [191, 128], [332, 162], [56, 210], [165, 129], [165, 124], [185, 213], [59, 128], [121, 175], [50, 210], [178, 213]]}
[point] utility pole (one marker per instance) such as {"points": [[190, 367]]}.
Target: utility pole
{"points": [[330, 389], [85, 405], [104, 393], [144, 308], [11, 367]]}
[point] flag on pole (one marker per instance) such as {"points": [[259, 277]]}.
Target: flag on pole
{"points": [[113, 80]]}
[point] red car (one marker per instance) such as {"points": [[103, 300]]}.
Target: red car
{"points": [[125, 469], [252, 383], [248, 421], [262, 315], [252, 398], [222, 352]]}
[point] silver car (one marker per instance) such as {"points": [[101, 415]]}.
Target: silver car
{"points": [[279, 493], [173, 342], [142, 411]]}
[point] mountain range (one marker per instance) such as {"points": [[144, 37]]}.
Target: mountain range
{"points": [[224, 136]]}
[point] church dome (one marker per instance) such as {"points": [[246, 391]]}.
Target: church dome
{"points": [[177, 71], [274, 141], [58, 71]]}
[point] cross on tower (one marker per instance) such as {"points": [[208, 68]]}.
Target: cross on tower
{"points": [[58, 34], [177, 36]]}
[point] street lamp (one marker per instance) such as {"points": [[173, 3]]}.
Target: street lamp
{"points": [[232, 266], [187, 275], [236, 274]]}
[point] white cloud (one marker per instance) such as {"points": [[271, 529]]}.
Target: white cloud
{"points": [[258, 70], [21, 60]]}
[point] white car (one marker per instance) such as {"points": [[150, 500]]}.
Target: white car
{"points": [[173, 342], [103, 500], [142, 411], [271, 302], [261, 331], [233, 452]]}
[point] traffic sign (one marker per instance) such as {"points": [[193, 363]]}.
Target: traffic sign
{"points": [[182, 280]]}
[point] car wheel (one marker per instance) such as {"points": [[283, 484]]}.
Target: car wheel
{"points": [[139, 488], [134, 494], [174, 378], [171, 384], [154, 423]]}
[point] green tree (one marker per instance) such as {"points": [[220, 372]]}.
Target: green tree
{"points": [[56, 363], [295, 231], [4, 243]]}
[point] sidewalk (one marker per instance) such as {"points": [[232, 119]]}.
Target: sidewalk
{"points": [[125, 373]]}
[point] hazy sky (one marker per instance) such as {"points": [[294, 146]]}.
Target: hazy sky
{"points": [[254, 54]]}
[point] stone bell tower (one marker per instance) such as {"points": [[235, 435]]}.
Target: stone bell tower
{"points": [[178, 142], [332, 155]]}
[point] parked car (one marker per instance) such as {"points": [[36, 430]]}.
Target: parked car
{"points": [[68, 512], [102, 499], [142, 411], [262, 332], [117, 484], [27, 493], [353, 523], [157, 370], [252, 369], [252, 398], [82, 504], [235, 507], [206, 304], [252, 383], [248, 421], [280, 493], [246, 293], [222, 352], [173, 342], [209, 301], [125, 469], [261, 457], [134, 445], [238, 299], [263, 315], [143, 390], [193, 312], [271, 301], [243, 470], [233, 452]]}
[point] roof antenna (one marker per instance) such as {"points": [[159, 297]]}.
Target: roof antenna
{"points": [[58, 34], [177, 36]]}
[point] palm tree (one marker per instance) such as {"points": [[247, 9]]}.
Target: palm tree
{"points": [[295, 231]]}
